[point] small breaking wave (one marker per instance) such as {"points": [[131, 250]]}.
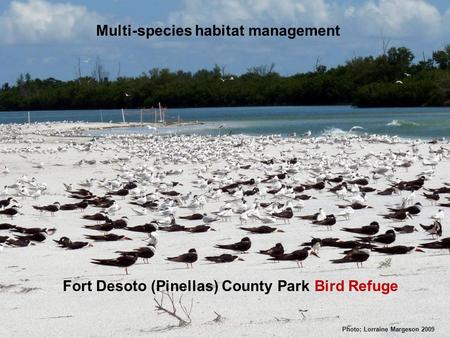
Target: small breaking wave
{"points": [[402, 123], [333, 132]]}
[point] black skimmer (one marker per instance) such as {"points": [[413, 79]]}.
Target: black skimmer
{"points": [[357, 256], [6, 226], [263, 229], [241, 246], [198, 228], [146, 228], [193, 217], [224, 258], [337, 243], [318, 216], [124, 261], [337, 179], [411, 185], [130, 185], [187, 258], [354, 206], [299, 188], [171, 193], [251, 192], [338, 187], [412, 210], [406, 229], [101, 202], [396, 250], [387, 238], [121, 192], [398, 215], [51, 208], [367, 189], [74, 206], [148, 204], [145, 253], [107, 237], [10, 212], [329, 221], [36, 237], [80, 194], [29, 231], [442, 244], [120, 223], [323, 242], [315, 186], [4, 203], [173, 228], [98, 217], [285, 215], [105, 227], [388, 191], [275, 251], [433, 196], [298, 256], [369, 230], [19, 242], [442, 190], [359, 181], [65, 242]]}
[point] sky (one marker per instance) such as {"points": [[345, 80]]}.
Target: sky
{"points": [[47, 38]]}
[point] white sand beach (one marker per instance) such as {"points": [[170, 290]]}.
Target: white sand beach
{"points": [[36, 160]]}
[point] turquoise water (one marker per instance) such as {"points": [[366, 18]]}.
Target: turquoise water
{"points": [[404, 122]]}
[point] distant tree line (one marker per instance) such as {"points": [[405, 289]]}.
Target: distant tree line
{"points": [[390, 79]]}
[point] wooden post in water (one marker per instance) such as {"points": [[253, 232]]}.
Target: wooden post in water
{"points": [[29, 118], [101, 115], [123, 116], [141, 118]]}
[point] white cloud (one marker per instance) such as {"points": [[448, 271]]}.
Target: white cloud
{"points": [[392, 18], [41, 21], [251, 11], [398, 18]]}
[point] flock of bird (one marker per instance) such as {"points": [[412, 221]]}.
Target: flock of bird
{"points": [[258, 185]]}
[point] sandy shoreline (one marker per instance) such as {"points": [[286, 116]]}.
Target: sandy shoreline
{"points": [[33, 300]]}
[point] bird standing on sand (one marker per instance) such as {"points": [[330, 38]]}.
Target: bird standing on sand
{"points": [[397, 250], [65, 242], [275, 251], [357, 256], [145, 253], [387, 238], [241, 246], [370, 229], [188, 258], [298, 256], [224, 258], [124, 261]]}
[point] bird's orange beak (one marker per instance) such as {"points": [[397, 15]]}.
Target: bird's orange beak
{"points": [[419, 250], [314, 254], [240, 259]]}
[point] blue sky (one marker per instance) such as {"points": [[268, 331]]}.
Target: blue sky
{"points": [[47, 37]]}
